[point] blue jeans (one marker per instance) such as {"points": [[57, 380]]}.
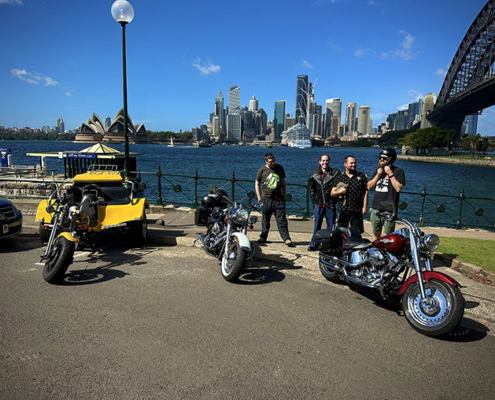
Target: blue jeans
{"points": [[320, 213]]}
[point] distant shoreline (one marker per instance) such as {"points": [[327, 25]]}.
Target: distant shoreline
{"points": [[449, 160]]}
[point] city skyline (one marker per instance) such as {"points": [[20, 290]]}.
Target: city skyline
{"points": [[377, 53]]}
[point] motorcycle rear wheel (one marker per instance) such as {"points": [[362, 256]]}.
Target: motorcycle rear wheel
{"points": [[441, 316], [233, 261], [330, 274], [138, 231], [44, 234], [60, 259]]}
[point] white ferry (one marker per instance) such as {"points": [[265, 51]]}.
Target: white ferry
{"points": [[297, 136]]}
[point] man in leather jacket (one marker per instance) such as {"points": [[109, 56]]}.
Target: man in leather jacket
{"points": [[320, 185]]}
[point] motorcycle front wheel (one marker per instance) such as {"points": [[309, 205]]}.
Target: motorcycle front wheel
{"points": [[233, 261], [437, 315], [60, 258]]}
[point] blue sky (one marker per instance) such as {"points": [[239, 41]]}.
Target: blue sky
{"points": [[63, 58]]}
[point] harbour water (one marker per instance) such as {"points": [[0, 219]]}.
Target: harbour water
{"points": [[221, 161]]}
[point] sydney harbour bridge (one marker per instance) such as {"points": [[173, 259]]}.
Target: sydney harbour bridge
{"points": [[469, 85]]}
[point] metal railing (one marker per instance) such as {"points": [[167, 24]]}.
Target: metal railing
{"points": [[455, 211]]}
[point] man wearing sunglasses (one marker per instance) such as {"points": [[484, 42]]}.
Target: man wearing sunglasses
{"points": [[271, 178], [388, 181]]}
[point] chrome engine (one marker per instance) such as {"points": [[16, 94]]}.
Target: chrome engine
{"points": [[367, 265]]}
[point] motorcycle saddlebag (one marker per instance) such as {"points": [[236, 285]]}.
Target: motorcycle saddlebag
{"points": [[329, 241], [201, 216]]}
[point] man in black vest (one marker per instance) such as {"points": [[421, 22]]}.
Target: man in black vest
{"points": [[320, 185]]}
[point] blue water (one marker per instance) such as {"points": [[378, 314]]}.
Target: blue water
{"points": [[221, 161]]}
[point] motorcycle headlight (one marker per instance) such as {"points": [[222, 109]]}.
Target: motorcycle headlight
{"points": [[242, 215], [430, 242], [50, 209]]}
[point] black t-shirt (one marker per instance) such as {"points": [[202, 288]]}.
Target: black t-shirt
{"points": [[357, 185], [384, 190], [270, 182]]}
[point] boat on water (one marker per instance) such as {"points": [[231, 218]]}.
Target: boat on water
{"points": [[171, 142], [297, 136], [202, 143]]}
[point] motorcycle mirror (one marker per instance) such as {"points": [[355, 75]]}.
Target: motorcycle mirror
{"points": [[212, 188], [251, 194]]}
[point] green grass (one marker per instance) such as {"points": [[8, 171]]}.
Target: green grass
{"points": [[474, 251]]}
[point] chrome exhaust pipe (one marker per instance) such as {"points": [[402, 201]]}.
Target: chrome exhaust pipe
{"points": [[344, 272]]}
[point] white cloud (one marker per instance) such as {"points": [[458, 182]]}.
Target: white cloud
{"points": [[440, 72], [33, 78], [68, 94], [332, 45], [361, 52], [12, 2], [206, 68], [415, 94], [306, 64]]}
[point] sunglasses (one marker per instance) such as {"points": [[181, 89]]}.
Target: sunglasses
{"points": [[383, 158]]}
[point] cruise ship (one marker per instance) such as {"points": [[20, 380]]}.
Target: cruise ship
{"points": [[296, 136]]}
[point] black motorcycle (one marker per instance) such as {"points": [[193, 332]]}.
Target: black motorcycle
{"points": [[226, 227]]}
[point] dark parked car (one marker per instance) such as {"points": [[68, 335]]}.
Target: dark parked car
{"points": [[10, 219]]}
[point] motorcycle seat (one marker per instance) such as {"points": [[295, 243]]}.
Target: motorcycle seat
{"points": [[114, 195], [355, 243]]}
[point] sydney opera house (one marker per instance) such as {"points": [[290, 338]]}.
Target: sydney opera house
{"points": [[94, 131]]}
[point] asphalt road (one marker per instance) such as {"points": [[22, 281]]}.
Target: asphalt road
{"points": [[161, 323]]}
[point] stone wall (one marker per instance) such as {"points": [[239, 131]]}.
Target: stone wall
{"points": [[13, 189], [449, 160]]}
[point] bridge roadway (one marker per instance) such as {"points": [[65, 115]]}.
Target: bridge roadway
{"points": [[160, 322]]}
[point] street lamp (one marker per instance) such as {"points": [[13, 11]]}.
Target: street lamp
{"points": [[123, 13]]}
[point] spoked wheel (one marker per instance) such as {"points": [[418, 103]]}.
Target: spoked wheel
{"points": [[439, 313], [138, 231], [233, 261], [60, 258]]}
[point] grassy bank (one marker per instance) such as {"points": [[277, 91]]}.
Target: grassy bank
{"points": [[474, 251]]}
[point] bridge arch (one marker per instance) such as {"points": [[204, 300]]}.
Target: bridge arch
{"points": [[469, 85]]}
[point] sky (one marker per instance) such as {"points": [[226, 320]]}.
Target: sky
{"points": [[61, 58]]}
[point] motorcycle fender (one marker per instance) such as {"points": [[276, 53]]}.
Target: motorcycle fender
{"points": [[41, 214], [243, 241], [427, 275], [69, 237], [109, 215]]}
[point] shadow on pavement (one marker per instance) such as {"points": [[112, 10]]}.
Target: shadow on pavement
{"points": [[107, 260], [467, 331], [260, 276]]}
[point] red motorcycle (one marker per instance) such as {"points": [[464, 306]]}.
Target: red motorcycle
{"points": [[399, 266]]}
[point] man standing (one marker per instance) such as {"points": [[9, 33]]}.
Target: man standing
{"points": [[353, 193], [320, 184], [388, 181], [271, 177]]}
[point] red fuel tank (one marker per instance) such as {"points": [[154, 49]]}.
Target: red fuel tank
{"points": [[393, 243]]}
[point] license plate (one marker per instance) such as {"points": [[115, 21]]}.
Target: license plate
{"points": [[5, 229], [16, 223]]}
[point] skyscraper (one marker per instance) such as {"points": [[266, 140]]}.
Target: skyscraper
{"points": [[108, 122], [333, 108], [302, 89], [234, 98], [253, 104], [220, 112], [234, 124], [279, 119], [350, 117], [364, 120]]}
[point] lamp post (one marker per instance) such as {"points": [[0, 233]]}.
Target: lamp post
{"points": [[123, 13]]}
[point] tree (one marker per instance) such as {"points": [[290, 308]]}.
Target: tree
{"points": [[471, 142]]}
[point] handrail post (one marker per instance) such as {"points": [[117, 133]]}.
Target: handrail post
{"points": [[233, 185], [423, 199], [159, 175], [459, 221], [196, 178], [306, 210]]}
